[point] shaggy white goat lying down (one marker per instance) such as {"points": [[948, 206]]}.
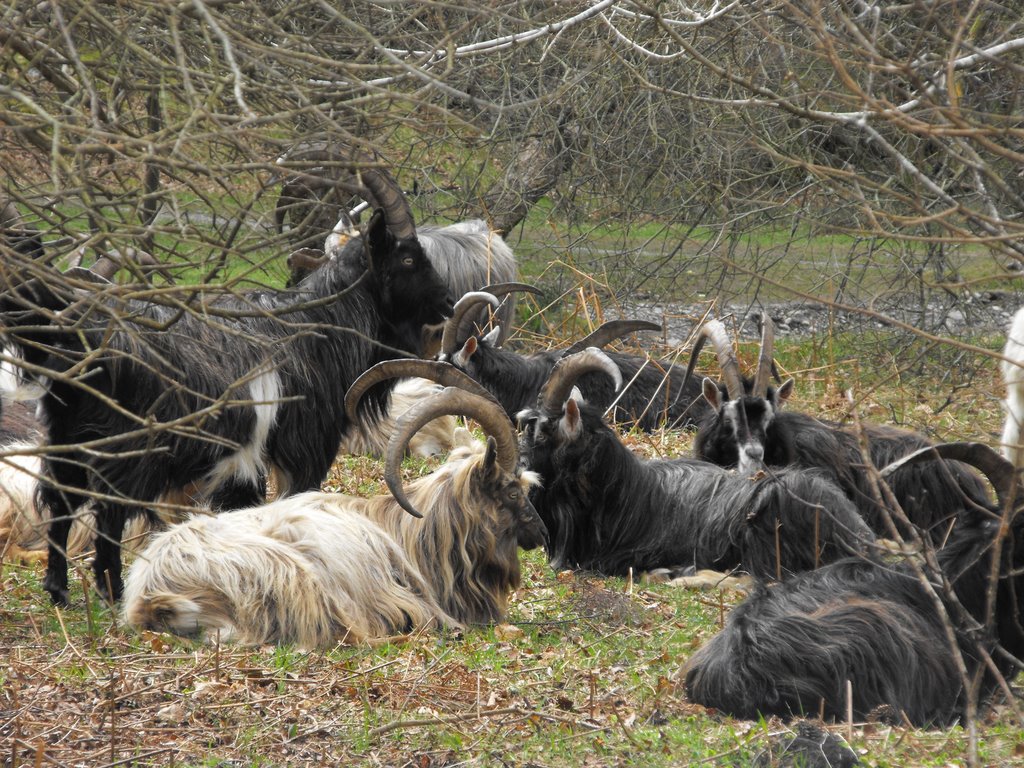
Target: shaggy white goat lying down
{"points": [[305, 570]]}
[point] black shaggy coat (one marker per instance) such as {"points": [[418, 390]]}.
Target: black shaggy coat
{"points": [[654, 393], [608, 510], [206, 400], [790, 648], [931, 494]]}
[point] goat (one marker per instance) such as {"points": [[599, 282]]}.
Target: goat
{"points": [[319, 568], [213, 397], [607, 510], [655, 395], [871, 635], [1013, 376], [747, 427], [468, 254], [304, 570]]}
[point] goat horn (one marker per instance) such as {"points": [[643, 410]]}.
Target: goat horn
{"points": [[766, 358], [1000, 472], [105, 267], [449, 400], [445, 374], [389, 196], [503, 289], [608, 332], [454, 334], [567, 371], [714, 330]]}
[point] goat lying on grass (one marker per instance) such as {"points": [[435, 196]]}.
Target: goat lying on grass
{"points": [[320, 569], [747, 427], [793, 648], [608, 510]]}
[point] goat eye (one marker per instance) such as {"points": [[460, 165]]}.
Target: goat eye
{"points": [[513, 493], [408, 261]]}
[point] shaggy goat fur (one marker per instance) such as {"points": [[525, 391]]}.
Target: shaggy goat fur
{"points": [[791, 647], [475, 517], [306, 570], [23, 530], [608, 510], [1013, 376], [318, 569], [435, 438], [245, 391]]}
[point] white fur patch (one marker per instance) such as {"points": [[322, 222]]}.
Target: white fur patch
{"points": [[15, 383], [247, 463]]}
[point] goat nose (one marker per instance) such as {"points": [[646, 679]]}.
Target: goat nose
{"points": [[754, 453]]}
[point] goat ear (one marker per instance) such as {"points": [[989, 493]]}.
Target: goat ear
{"points": [[493, 336], [377, 241], [464, 355], [711, 393], [571, 423], [491, 456], [783, 393]]}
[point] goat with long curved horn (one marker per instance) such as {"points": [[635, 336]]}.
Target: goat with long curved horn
{"points": [[450, 400], [878, 626]]}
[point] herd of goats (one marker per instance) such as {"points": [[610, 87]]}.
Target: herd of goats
{"points": [[143, 409]]}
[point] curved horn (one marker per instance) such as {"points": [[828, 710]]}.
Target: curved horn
{"points": [[503, 289], [608, 332], [567, 371], [389, 196], [714, 330], [105, 267], [999, 471], [454, 334], [443, 373], [449, 400], [766, 357]]}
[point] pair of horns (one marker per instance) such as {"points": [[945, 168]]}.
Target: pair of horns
{"points": [[460, 326], [715, 331], [461, 396]]}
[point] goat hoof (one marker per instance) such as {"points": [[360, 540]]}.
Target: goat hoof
{"points": [[59, 597], [106, 597]]}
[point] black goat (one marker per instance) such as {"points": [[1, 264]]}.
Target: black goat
{"points": [[747, 427], [654, 396], [146, 400], [467, 255], [794, 647], [608, 510]]}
